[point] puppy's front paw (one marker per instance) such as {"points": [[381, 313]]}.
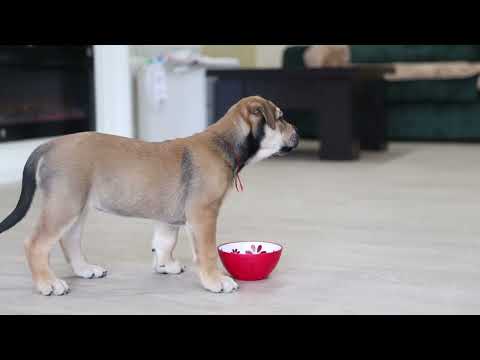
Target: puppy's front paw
{"points": [[173, 268], [218, 283], [88, 271], [55, 287]]}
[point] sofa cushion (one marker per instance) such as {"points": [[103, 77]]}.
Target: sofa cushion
{"points": [[414, 53], [413, 122], [433, 91], [434, 122]]}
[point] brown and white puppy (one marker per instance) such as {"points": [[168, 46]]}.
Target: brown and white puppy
{"points": [[175, 183]]}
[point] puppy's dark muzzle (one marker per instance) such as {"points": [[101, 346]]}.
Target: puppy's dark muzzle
{"points": [[286, 150], [295, 140]]}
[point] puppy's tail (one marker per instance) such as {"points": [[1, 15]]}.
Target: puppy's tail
{"points": [[29, 186]]}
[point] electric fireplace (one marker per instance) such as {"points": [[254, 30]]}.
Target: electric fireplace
{"points": [[45, 91]]}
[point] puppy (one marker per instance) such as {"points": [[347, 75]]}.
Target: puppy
{"points": [[175, 183]]}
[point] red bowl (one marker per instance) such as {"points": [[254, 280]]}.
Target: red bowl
{"points": [[250, 261]]}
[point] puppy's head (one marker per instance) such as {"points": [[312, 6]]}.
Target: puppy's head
{"points": [[268, 132]]}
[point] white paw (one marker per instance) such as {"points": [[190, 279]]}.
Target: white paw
{"points": [[173, 268], [87, 271], [219, 283], [55, 287]]}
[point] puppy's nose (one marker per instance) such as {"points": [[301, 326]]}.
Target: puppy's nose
{"points": [[296, 136], [296, 140], [295, 129]]}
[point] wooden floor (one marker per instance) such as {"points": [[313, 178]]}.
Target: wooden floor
{"points": [[395, 233]]}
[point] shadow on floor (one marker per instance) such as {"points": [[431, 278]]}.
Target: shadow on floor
{"points": [[309, 151], [385, 156]]}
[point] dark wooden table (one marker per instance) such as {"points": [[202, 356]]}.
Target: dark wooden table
{"points": [[348, 102]]}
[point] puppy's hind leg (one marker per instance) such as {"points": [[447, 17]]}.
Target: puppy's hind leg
{"points": [[72, 249], [48, 231], [164, 241]]}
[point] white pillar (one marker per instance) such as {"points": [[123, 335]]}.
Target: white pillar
{"points": [[113, 90]]}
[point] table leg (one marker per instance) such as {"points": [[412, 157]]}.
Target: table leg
{"points": [[374, 125], [339, 135]]}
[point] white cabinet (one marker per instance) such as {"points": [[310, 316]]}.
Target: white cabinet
{"points": [[183, 114]]}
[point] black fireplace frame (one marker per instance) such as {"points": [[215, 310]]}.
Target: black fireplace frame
{"points": [[68, 57]]}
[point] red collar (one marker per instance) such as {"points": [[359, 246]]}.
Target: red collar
{"points": [[237, 179]]}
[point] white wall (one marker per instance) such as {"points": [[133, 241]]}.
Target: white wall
{"points": [[113, 90], [270, 56]]}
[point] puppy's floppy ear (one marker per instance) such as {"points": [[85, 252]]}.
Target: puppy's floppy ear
{"points": [[265, 109]]}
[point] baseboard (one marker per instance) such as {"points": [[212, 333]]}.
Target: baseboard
{"points": [[13, 156]]}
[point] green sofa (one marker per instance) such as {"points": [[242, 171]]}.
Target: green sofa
{"points": [[423, 110]]}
